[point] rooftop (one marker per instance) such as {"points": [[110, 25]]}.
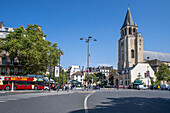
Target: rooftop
{"points": [[151, 55]]}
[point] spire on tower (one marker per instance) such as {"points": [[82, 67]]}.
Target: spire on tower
{"points": [[128, 18]]}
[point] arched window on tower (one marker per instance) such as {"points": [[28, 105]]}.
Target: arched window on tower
{"points": [[140, 41], [125, 31], [122, 33], [130, 30], [123, 57], [134, 30], [132, 53]]}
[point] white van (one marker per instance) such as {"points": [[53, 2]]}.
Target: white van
{"points": [[141, 87]]}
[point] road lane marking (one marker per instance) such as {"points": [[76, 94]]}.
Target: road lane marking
{"points": [[85, 103], [3, 101]]}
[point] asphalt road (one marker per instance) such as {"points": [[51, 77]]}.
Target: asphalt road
{"points": [[101, 101]]}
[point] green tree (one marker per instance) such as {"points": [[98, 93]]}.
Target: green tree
{"points": [[92, 78], [30, 48], [61, 77], [163, 74], [102, 79], [152, 81], [54, 55], [139, 77], [100, 76]]}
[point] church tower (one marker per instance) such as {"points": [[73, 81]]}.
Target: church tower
{"points": [[130, 44]]}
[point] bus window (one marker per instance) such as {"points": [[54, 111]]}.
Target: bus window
{"points": [[30, 83], [10, 82], [5, 82], [17, 82], [23, 83], [40, 83], [36, 83]]}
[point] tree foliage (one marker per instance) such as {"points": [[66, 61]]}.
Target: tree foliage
{"points": [[152, 81], [61, 78], [163, 73], [92, 78], [29, 47], [102, 79], [139, 77]]}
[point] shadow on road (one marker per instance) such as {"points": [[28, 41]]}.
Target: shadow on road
{"points": [[131, 105]]}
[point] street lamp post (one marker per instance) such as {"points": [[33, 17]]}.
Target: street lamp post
{"points": [[87, 41], [49, 84], [59, 72]]}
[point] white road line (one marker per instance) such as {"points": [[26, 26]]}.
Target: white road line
{"points": [[85, 103], [3, 101], [12, 99]]}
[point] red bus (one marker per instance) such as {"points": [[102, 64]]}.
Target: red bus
{"points": [[21, 83]]}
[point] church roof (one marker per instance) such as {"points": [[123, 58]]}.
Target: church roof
{"points": [[151, 55], [128, 19]]}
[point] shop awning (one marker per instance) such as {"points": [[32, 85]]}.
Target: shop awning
{"points": [[138, 82]]}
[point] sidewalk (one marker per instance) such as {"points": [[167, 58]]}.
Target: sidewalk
{"points": [[46, 91], [23, 91]]}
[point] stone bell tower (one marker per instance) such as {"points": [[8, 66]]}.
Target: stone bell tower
{"points": [[130, 44]]}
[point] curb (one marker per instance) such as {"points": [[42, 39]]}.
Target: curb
{"points": [[23, 91], [60, 92]]}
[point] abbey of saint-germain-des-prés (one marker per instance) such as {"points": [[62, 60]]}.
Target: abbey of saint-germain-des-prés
{"points": [[132, 59]]}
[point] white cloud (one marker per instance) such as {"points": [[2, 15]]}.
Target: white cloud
{"points": [[104, 65]]}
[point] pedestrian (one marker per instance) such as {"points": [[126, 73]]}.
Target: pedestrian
{"points": [[84, 87], [70, 87], [66, 87], [63, 87], [158, 86], [117, 87], [57, 88], [89, 86]]}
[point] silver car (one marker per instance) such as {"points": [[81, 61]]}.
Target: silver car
{"points": [[168, 87]]}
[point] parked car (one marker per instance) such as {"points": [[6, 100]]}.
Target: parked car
{"points": [[153, 87], [168, 87], [164, 86], [96, 87], [141, 87]]}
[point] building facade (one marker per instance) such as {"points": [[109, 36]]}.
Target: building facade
{"points": [[78, 76], [8, 66], [71, 70], [130, 44], [131, 61], [101, 69]]}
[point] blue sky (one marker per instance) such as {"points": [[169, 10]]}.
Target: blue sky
{"points": [[66, 21]]}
